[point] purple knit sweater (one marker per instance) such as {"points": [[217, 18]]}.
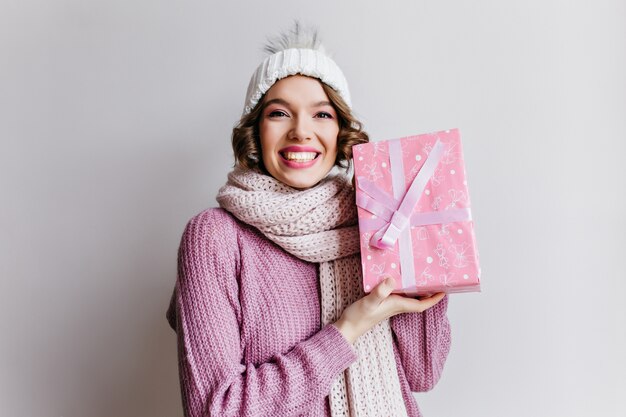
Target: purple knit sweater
{"points": [[250, 343]]}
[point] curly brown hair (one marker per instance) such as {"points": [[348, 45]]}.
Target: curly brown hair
{"points": [[247, 146]]}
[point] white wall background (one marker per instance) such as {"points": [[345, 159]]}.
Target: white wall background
{"points": [[115, 120]]}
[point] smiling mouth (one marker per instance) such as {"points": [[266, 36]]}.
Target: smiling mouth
{"points": [[299, 157]]}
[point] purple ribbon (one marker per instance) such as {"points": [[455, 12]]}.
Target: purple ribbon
{"points": [[395, 215]]}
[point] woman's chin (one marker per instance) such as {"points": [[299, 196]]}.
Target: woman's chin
{"points": [[300, 181], [301, 184]]}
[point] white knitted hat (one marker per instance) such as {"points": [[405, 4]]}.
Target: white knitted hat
{"points": [[296, 52]]}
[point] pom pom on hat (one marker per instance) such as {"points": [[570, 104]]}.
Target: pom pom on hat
{"points": [[298, 51], [298, 37]]}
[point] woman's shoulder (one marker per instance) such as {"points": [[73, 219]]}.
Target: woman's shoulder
{"points": [[220, 231], [213, 223], [211, 237], [215, 217]]}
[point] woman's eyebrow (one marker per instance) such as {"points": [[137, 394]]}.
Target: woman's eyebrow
{"points": [[276, 100], [286, 103], [322, 103]]}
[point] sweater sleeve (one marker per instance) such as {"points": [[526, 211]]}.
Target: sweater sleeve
{"points": [[207, 318], [422, 342]]}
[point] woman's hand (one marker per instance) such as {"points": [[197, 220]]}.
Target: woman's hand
{"points": [[378, 305]]}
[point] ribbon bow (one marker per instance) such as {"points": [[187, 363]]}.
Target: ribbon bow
{"points": [[398, 215]]}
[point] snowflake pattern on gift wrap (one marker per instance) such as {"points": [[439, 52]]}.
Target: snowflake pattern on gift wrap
{"points": [[379, 147], [436, 203], [449, 155], [447, 279], [412, 174], [427, 147], [409, 144], [460, 256], [378, 268], [424, 277], [441, 253], [437, 177], [456, 196], [372, 172]]}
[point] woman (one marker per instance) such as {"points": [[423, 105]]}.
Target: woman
{"points": [[268, 306]]}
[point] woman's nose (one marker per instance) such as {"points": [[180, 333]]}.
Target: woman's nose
{"points": [[301, 129]]}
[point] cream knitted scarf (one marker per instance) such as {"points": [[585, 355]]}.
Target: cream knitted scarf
{"points": [[319, 225]]}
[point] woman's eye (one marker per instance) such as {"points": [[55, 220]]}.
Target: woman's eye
{"points": [[277, 113], [324, 115]]}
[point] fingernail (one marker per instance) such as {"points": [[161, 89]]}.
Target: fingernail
{"points": [[390, 282]]}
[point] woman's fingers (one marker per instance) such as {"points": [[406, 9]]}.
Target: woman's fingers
{"points": [[394, 303], [408, 305], [433, 297], [378, 305], [430, 301], [380, 292]]}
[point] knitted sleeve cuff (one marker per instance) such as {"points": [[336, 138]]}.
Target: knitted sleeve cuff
{"points": [[336, 351]]}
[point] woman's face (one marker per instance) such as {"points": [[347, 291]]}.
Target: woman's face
{"points": [[298, 131]]}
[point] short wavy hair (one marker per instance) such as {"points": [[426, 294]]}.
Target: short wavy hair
{"points": [[247, 144]]}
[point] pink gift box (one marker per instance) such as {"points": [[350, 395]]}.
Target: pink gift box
{"points": [[414, 213]]}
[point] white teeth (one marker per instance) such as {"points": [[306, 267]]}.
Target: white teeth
{"points": [[299, 156]]}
